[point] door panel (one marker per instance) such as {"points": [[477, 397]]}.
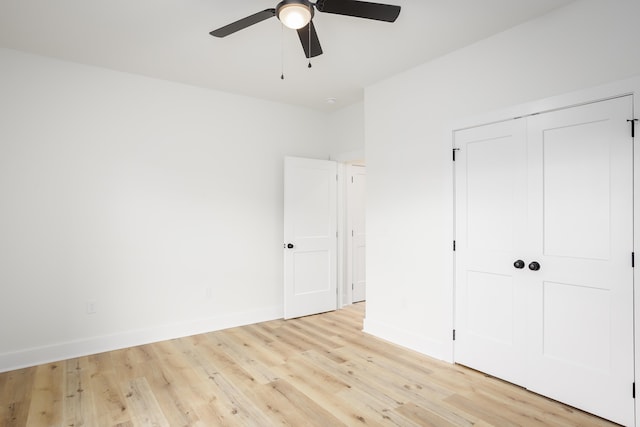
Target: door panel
{"points": [[576, 179], [310, 225], [310, 271], [581, 313], [490, 193], [495, 291]]}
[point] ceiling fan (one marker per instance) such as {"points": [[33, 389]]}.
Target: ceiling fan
{"points": [[298, 15]]}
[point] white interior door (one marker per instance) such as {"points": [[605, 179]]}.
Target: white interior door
{"points": [[310, 236], [491, 186], [553, 189], [357, 194], [581, 224]]}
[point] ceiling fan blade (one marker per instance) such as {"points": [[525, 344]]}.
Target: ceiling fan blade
{"points": [[303, 33], [360, 9], [243, 23]]}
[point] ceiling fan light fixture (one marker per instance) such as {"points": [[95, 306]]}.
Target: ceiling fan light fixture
{"points": [[294, 14]]}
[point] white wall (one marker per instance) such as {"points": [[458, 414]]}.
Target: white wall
{"points": [[409, 194], [346, 133], [160, 202]]}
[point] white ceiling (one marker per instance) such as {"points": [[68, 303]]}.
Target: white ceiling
{"points": [[169, 39]]}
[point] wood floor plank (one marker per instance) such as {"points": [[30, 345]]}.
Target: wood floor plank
{"points": [[332, 327], [533, 412], [365, 347], [319, 370], [226, 384], [15, 396], [348, 404], [289, 406], [309, 376], [235, 405], [145, 410], [355, 380], [288, 342], [365, 409], [334, 403], [406, 376], [246, 355], [313, 338], [78, 408], [483, 412], [282, 349], [182, 388], [169, 386], [519, 414], [109, 401], [258, 344], [403, 391], [425, 417], [46, 397]]}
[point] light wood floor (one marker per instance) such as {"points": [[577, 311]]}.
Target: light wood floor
{"points": [[315, 371]]}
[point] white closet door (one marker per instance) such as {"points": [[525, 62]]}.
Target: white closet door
{"points": [[581, 224], [490, 214], [554, 189]]}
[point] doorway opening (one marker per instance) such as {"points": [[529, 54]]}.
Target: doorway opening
{"points": [[354, 230]]}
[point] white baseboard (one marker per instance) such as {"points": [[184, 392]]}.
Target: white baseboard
{"points": [[431, 348], [84, 347]]}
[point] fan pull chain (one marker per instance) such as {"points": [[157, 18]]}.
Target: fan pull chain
{"points": [[282, 52], [309, 42]]}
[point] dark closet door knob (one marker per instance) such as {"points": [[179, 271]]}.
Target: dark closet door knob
{"points": [[519, 264], [534, 266], [290, 245]]}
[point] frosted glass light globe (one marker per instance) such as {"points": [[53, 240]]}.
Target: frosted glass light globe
{"points": [[294, 16]]}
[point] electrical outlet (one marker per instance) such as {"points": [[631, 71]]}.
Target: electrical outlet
{"points": [[91, 307]]}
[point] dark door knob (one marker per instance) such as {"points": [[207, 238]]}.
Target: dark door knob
{"points": [[519, 264], [290, 245], [534, 266]]}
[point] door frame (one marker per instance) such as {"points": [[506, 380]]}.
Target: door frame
{"points": [[594, 94], [348, 290], [345, 296]]}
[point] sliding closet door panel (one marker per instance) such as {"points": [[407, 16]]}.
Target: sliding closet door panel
{"points": [[490, 182], [580, 210]]}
